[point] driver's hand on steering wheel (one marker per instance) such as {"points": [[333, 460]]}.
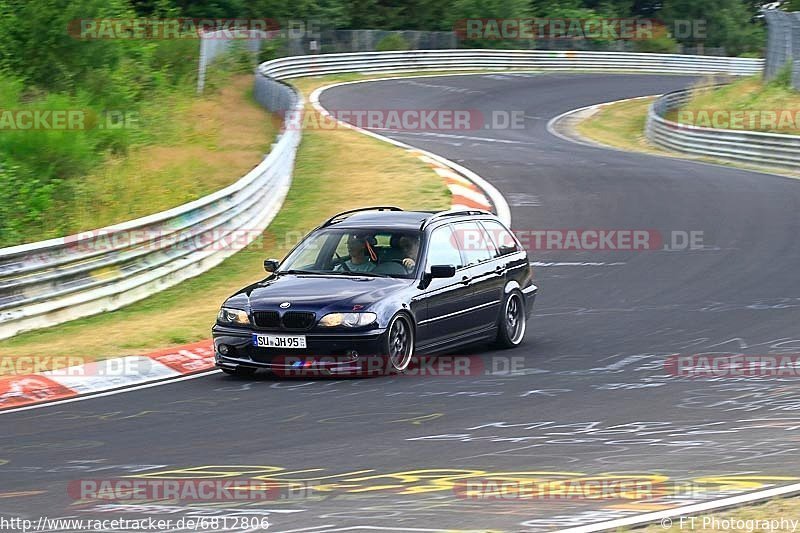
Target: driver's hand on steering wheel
{"points": [[409, 263]]}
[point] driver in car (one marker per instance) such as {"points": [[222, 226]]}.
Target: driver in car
{"points": [[410, 247], [357, 247]]}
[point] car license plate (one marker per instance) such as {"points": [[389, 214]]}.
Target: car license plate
{"points": [[280, 341]]}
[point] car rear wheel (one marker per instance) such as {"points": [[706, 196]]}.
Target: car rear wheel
{"points": [[399, 343], [512, 322]]}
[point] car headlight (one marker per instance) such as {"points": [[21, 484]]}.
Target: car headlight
{"points": [[227, 315], [349, 320]]}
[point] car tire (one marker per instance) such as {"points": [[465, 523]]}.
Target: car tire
{"points": [[399, 343], [512, 321], [240, 371]]}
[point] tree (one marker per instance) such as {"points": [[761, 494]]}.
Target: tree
{"points": [[41, 42], [727, 23]]}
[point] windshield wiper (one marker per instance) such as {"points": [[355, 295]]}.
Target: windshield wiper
{"points": [[295, 271], [359, 274]]}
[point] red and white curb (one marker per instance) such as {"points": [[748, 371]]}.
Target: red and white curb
{"points": [[109, 374], [464, 193]]}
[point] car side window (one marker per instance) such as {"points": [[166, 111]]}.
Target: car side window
{"points": [[442, 249], [503, 240], [474, 243]]}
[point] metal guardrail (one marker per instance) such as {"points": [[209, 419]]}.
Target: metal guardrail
{"points": [[443, 60], [750, 147], [49, 282]]}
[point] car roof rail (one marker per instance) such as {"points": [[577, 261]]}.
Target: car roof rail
{"points": [[344, 214], [452, 213]]}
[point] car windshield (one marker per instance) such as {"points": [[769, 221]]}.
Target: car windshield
{"points": [[361, 252]]}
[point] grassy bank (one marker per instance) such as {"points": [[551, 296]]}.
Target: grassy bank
{"points": [[124, 162], [206, 144], [187, 148], [619, 125], [335, 170], [748, 104]]}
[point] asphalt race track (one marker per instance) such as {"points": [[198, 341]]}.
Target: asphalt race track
{"points": [[591, 394]]}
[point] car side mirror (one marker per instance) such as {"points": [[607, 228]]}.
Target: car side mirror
{"points": [[271, 265], [443, 271]]}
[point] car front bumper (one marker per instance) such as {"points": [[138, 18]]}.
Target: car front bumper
{"points": [[330, 353]]}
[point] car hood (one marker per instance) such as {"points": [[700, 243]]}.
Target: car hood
{"points": [[313, 292]]}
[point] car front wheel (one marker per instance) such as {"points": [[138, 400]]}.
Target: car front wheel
{"points": [[399, 343], [512, 322]]}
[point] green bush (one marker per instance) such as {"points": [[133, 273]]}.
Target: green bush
{"points": [[393, 41], [661, 44], [27, 202], [271, 49], [783, 78], [46, 65]]}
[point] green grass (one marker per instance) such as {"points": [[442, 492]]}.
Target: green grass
{"points": [[335, 170], [619, 125]]}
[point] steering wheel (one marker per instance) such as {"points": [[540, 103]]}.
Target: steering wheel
{"points": [[342, 262], [400, 262]]}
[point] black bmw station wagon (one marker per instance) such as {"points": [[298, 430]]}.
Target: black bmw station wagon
{"points": [[380, 282]]}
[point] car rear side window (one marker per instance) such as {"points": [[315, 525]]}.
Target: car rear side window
{"points": [[474, 243], [504, 241], [442, 249]]}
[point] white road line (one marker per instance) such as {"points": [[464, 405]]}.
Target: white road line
{"points": [[385, 528], [310, 528], [686, 510], [543, 264], [453, 136]]}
